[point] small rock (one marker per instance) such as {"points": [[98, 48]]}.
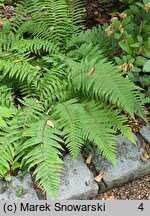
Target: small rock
{"points": [[145, 132], [18, 189], [77, 181]]}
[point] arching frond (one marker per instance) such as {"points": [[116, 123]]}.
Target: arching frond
{"points": [[45, 151]]}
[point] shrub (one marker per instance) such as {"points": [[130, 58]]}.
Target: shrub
{"points": [[131, 31]]}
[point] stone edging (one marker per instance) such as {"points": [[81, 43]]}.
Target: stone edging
{"points": [[78, 180]]}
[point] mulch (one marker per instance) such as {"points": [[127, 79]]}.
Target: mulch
{"points": [[136, 190]]}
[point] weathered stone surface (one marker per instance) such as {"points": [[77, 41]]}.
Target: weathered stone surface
{"points": [[128, 167], [77, 181], [145, 132], [18, 189]]}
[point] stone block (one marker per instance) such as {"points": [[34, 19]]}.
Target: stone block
{"points": [[128, 166], [18, 189], [77, 181], [145, 132]]}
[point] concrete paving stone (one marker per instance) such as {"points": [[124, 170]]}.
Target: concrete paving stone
{"points": [[18, 189], [145, 132], [77, 181], [128, 167]]}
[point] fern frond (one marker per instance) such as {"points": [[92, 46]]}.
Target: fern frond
{"points": [[11, 140], [57, 88], [52, 90], [5, 113], [50, 19], [20, 70], [86, 51], [97, 129], [75, 13], [105, 83], [45, 143], [7, 154], [117, 120], [53, 85], [69, 116], [6, 41], [90, 121], [35, 45], [21, 28], [26, 90], [96, 37], [6, 97]]}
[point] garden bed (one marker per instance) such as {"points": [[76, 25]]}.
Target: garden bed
{"points": [[58, 91]]}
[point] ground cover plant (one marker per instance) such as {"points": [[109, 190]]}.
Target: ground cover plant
{"points": [[58, 91], [131, 31]]}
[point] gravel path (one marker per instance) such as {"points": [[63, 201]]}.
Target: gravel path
{"points": [[136, 190]]}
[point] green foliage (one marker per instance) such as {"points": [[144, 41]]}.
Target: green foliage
{"points": [[58, 91], [131, 30], [52, 20], [5, 113], [45, 143]]}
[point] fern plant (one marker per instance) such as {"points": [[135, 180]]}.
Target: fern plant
{"points": [[58, 91], [52, 20]]}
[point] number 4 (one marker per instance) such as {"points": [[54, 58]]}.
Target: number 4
{"points": [[141, 207]]}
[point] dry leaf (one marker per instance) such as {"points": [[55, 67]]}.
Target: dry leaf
{"points": [[101, 21], [145, 146], [120, 27], [50, 123], [17, 60], [122, 31], [49, 110], [111, 198], [38, 102], [6, 54], [108, 30], [96, 13], [131, 67], [113, 20], [146, 112], [38, 67], [123, 67], [100, 177], [89, 159], [38, 186], [145, 155], [143, 159], [123, 15], [124, 41], [147, 8], [1, 22], [139, 51], [91, 71]]}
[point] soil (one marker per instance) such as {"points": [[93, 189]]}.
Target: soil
{"points": [[99, 13], [136, 190]]}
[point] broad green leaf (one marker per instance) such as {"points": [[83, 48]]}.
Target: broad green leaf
{"points": [[140, 39], [140, 61], [146, 67], [118, 60], [125, 47], [135, 9], [117, 36], [147, 53], [135, 45]]}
